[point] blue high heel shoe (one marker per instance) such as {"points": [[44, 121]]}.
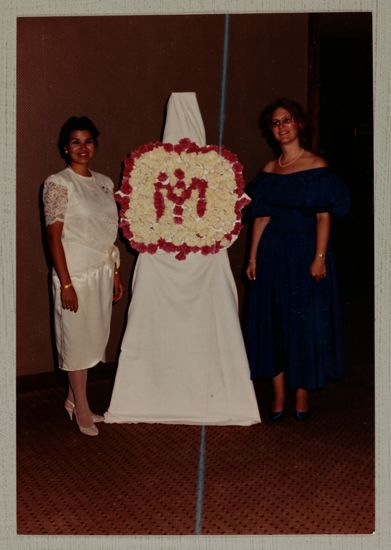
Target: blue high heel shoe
{"points": [[276, 415], [302, 415]]}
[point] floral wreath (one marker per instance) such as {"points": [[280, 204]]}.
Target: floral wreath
{"points": [[181, 198]]}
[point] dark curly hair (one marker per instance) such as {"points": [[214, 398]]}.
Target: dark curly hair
{"points": [[298, 114], [75, 123]]}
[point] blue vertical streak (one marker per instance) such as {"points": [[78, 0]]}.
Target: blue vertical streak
{"points": [[224, 81], [201, 462], [200, 484]]}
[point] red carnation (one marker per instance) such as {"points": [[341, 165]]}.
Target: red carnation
{"points": [[123, 201], [201, 207], [181, 255], [158, 202], [239, 205], [162, 176], [125, 230], [168, 247], [192, 148], [229, 156], [237, 167], [151, 248], [179, 174], [185, 142], [129, 163], [236, 230], [126, 187]]}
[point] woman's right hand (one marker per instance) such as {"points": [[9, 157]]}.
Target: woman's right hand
{"points": [[69, 299], [258, 229], [68, 295], [251, 270]]}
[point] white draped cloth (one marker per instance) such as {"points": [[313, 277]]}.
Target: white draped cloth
{"points": [[184, 119], [182, 357]]}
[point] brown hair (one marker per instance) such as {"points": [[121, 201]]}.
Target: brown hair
{"points": [[298, 114], [75, 123]]}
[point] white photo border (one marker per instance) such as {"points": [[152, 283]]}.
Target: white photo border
{"points": [[381, 13]]}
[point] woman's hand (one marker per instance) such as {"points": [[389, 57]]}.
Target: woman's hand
{"points": [[118, 287], [318, 269], [68, 294], [69, 298], [318, 266], [251, 270], [257, 231]]}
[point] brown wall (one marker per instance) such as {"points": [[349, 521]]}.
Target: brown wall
{"points": [[120, 72]]}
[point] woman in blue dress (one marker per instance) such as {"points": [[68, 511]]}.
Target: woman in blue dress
{"points": [[292, 326]]}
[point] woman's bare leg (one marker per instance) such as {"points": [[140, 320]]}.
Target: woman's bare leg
{"points": [[279, 393], [70, 396], [301, 400], [78, 384]]}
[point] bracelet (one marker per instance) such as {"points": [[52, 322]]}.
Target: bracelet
{"points": [[116, 272], [321, 255], [67, 286]]}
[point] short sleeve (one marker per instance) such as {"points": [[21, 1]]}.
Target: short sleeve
{"points": [[326, 192], [55, 201], [257, 191]]}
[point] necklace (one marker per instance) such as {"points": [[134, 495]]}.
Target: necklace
{"points": [[291, 161]]}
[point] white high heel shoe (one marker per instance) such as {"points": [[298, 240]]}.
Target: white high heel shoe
{"points": [[69, 406], [87, 430]]}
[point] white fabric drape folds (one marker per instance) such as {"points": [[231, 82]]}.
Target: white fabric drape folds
{"points": [[184, 119], [182, 358]]}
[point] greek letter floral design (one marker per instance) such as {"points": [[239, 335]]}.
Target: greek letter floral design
{"points": [[181, 198]]}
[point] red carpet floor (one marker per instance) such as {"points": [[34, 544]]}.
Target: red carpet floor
{"points": [[314, 477]]}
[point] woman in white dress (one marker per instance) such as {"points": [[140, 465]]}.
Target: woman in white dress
{"points": [[81, 220]]}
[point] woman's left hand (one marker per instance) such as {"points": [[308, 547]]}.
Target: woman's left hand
{"points": [[318, 269], [118, 288]]}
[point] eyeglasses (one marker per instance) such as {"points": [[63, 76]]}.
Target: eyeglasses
{"points": [[284, 121]]}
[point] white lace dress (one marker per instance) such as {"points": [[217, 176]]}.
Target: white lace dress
{"points": [[86, 207]]}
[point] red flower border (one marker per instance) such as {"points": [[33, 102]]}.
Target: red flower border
{"points": [[123, 197]]}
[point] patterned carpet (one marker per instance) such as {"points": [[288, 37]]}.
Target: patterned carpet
{"points": [[314, 477]]}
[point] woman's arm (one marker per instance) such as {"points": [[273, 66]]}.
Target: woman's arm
{"points": [[258, 228], [118, 286], [68, 293], [318, 265]]}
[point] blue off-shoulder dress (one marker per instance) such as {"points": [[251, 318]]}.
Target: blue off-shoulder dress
{"points": [[293, 322]]}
